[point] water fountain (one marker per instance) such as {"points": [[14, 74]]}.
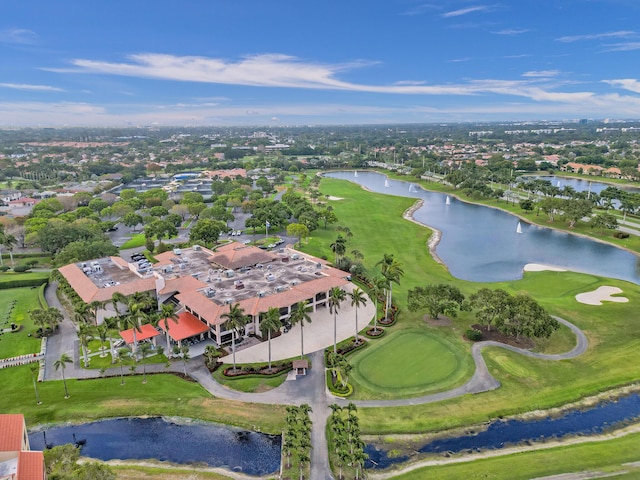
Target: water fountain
{"points": [[447, 201], [386, 183], [355, 174], [519, 228]]}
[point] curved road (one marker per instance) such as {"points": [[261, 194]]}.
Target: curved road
{"points": [[310, 389]]}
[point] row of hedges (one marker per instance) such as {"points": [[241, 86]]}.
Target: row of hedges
{"points": [[18, 281], [252, 370], [338, 390]]}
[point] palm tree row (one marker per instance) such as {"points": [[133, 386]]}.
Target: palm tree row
{"points": [[296, 443], [348, 448]]}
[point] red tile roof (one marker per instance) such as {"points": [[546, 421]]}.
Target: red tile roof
{"points": [[187, 326], [31, 466], [236, 255], [146, 331], [11, 432]]}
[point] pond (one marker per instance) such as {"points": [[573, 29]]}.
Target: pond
{"points": [[603, 417], [156, 438], [579, 184], [483, 244]]}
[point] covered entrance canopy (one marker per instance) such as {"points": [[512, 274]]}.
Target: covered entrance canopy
{"points": [[144, 333], [187, 326]]}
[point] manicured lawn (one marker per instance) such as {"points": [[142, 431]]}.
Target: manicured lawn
{"points": [[135, 472], [9, 277], [136, 240], [163, 394], [23, 341], [252, 385], [409, 363], [612, 360], [608, 457]]}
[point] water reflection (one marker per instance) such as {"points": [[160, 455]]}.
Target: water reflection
{"points": [[481, 244], [154, 438]]}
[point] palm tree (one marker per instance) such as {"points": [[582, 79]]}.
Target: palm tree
{"points": [[145, 350], [270, 323], [134, 321], [117, 299], [378, 286], [336, 297], [35, 368], [123, 353], [392, 271], [102, 331], [235, 320], [339, 247], [300, 315], [358, 298], [84, 335], [168, 312], [62, 363]]}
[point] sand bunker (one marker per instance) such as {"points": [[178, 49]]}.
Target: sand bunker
{"points": [[330, 197], [601, 294], [536, 267]]}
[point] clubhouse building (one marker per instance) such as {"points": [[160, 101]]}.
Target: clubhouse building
{"points": [[204, 284]]}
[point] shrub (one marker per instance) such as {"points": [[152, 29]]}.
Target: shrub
{"points": [[621, 235], [4, 268], [473, 334], [20, 268]]}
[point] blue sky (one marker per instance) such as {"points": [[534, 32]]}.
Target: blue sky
{"points": [[287, 62]]}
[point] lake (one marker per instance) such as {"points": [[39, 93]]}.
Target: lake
{"points": [[481, 244]]}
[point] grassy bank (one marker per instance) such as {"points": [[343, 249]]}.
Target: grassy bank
{"points": [[613, 357]]}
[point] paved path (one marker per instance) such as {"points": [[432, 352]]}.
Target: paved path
{"points": [[310, 389]]}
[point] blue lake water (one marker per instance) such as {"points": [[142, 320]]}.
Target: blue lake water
{"points": [[579, 184], [481, 244], [155, 438], [595, 420]]}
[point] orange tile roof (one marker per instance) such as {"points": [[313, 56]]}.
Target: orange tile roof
{"points": [[236, 255], [146, 331], [11, 432], [187, 326], [182, 284], [31, 466], [200, 304]]}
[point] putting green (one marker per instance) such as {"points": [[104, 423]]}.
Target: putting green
{"points": [[409, 363]]}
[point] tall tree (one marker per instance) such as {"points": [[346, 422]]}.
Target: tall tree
{"points": [[235, 320], [437, 299], [358, 299], [270, 323], [336, 297], [144, 350], [300, 315], [61, 363], [34, 368], [392, 271]]}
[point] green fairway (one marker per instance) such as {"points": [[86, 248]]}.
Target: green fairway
{"points": [[22, 341], [409, 363], [616, 458]]}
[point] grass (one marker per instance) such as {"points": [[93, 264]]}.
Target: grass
{"points": [[23, 341], [136, 240], [136, 472], [255, 384], [608, 457], [404, 366], [9, 277], [163, 394], [612, 360]]}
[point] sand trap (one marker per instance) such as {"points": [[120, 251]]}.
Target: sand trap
{"points": [[330, 197], [601, 294], [536, 267]]}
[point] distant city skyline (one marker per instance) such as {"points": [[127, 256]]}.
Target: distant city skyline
{"points": [[285, 62]]}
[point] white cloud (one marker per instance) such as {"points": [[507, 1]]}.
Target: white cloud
{"points": [[622, 47], [626, 83], [541, 73], [465, 11], [26, 86], [598, 36], [420, 9], [511, 31], [18, 35], [289, 72]]}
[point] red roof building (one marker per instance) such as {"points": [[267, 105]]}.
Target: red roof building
{"points": [[186, 326], [17, 461], [146, 332]]}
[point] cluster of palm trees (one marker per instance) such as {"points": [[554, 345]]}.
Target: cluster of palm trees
{"points": [[392, 272], [296, 439], [347, 445]]}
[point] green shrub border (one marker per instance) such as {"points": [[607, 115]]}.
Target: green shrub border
{"points": [[258, 375], [41, 299], [335, 391], [375, 337], [22, 282]]}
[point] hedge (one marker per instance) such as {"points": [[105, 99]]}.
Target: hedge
{"points": [[17, 282]]}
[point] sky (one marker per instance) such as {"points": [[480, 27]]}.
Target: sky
{"points": [[316, 62]]}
